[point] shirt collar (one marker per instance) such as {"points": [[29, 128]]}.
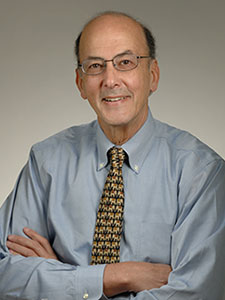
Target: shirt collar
{"points": [[103, 145], [136, 148]]}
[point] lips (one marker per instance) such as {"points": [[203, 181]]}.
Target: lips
{"points": [[114, 99]]}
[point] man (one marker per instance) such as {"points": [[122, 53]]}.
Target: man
{"points": [[173, 236]]}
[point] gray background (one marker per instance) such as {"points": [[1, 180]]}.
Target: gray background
{"points": [[38, 95]]}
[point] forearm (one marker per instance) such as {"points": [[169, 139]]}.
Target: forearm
{"points": [[198, 275], [134, 277], [115, 279], [183, 283], [37, 278]]}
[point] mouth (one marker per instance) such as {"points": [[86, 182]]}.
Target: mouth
{"points": [[114, 99]]}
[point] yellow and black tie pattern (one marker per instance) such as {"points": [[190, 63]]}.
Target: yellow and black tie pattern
{"points": [[108, 230]]}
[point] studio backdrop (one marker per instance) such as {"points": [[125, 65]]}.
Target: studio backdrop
{"points": [[38, 92]]}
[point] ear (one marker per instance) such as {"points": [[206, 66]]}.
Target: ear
{"points": [[80, 83], [155, 73]]}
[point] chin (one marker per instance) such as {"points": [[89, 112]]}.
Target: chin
{"points": [[117, 123], [117, 119]]}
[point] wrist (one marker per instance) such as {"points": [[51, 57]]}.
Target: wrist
{"points": [[116, 279]]}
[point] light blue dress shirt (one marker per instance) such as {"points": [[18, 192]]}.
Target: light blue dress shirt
{"points": [[174, 214]]}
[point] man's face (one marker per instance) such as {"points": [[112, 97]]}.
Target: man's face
{"points": [[118, 98]]}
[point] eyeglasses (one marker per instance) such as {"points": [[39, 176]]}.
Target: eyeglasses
{"points": [[121, 62]]}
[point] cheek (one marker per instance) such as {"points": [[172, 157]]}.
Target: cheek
{"points": [[132, 83], [146, 84], [139, 86], [91, 87]]}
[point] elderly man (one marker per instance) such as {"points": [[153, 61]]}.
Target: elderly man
{"points": [[125, 206]]}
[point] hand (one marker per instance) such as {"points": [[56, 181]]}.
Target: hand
{"points": [[35, 245], [134, 277]]}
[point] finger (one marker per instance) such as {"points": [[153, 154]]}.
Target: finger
{"points": [[14, 252], [30, 245], [17, 249], [33, 246], [40, 239], [21, 240]]}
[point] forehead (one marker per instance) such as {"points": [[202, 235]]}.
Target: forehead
{"points": [[109, 35]]}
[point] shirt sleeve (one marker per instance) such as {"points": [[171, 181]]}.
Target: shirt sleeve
{"points": [[37, 278], [198, 240]]}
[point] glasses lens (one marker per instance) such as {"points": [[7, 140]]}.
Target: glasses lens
{"points": [[125, 62], [93, 66]]}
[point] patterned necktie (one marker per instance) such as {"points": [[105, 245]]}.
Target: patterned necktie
{"points": [[108, 230]]}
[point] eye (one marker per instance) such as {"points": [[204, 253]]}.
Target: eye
{"points": [[125, 62], [95, 66]]}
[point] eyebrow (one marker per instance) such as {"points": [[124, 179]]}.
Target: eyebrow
{"points": [[98, 57]]}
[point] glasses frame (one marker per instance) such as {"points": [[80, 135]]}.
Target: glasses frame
{"points": [[105, 61]]}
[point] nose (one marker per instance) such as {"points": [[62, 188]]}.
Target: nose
{"points": [[111, 78]]}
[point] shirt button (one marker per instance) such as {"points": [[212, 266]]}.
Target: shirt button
{"points": [[136, 168], [101, 165], [85, 296]]}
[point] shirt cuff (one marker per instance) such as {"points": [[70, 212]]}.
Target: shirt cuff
{"points": [[89, 282]]}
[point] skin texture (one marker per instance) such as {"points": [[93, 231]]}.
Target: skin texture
{"points": [[122, 119], [106, 37], [134, 277], [35, 245]]}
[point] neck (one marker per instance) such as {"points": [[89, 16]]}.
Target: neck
{"points": [[120, 134]]}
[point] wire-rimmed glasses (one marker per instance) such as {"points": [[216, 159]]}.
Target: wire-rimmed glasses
{"points": [[121, 62]]}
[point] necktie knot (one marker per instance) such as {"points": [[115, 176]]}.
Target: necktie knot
{"points": [[117, 156]]}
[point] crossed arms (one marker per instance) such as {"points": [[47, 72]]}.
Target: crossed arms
{"points": [[118, 278], [197, 256]]}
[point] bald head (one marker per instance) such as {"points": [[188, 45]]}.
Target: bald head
{"points": [[116, 18]]}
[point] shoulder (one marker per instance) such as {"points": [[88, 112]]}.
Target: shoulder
{"points": [[183, 142], [196, 168], [68, 142], [183, 145]]}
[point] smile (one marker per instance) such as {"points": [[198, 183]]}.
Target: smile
{"points": [[114, 99]]}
